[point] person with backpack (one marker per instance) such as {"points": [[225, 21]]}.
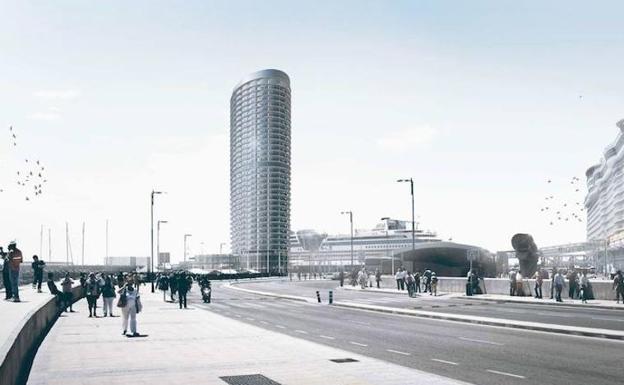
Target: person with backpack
{"points": [[130, 304], [427, 278], [108, 296], [163, 285]]}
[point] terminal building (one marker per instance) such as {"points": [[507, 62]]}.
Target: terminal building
{"points": [[386, 247], [605, 202]]}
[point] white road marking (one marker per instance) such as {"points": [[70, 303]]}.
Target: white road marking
{"points": [[249, 318], [327, 337], [481, 341], [398, 352], [280, 326], [238, 315], [505, 374], [607, 319], [360, 322], [357, 343], [444, 361], [301, 331], [553, 315], [264, 322]]}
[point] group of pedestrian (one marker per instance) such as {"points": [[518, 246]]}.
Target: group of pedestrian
{"points": [[178, 284], [425, 282], [366, 278], [96, 285]]}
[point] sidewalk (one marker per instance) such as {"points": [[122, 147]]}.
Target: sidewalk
{"points": [[596, 304], [198, 346]]}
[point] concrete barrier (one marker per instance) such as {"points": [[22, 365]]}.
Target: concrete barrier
{"points": [[18, 351]]}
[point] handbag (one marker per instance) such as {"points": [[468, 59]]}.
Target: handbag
{"points": [[138, 304], [123, 300]]}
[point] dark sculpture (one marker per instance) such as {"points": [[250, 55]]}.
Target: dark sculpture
{"points": [[527, 254]]}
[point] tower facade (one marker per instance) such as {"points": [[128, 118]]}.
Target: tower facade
{"points": [[260, 171]]}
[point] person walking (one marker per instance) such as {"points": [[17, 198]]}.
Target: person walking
{"points": [[378, 277], [108, 296], [512, 283], [6, 274], [553, 273], [618, 286], [559, 283], [427, 277], [183, 288], [15, 260], [130, 304], [572, 284], [417, 282], [173, 286], [92, 290], [163, 285], [409, 280], [539, 280], [68, 296], [584, 287], [341, 277], [434, 284], [37, 267]]}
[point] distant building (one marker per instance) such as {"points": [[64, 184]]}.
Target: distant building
{"points": [[135, 262], [213, 261], [310, 250], [260, 170], [605, 201], [164, 258]]}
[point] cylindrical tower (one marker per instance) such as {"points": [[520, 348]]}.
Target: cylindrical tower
{"points": [[260, 170]]}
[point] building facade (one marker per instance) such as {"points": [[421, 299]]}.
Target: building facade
{"points": [[260, 170], [605, 199]]}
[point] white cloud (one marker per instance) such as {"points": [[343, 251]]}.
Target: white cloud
{"points": [[68, 94], [407, 139]]}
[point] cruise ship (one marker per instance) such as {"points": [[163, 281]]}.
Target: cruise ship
{"points": [[328, 253]]}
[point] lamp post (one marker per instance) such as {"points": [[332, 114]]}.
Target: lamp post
{"points": [[351, 222], [158, 238], [152, 236], [411, 182], [185, 237]]}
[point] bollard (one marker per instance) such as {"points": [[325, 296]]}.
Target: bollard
{"points": [[331, 297], [318, 296]]}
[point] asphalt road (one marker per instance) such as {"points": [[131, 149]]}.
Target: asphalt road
{"points": [[472, 353], [560, 315]]}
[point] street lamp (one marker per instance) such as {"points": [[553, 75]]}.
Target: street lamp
{"points": [[411, 181], [185, 237], [351, 222], [151, 265], [158, 238]]}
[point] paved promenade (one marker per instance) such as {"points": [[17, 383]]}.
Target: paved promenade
{"points": [[198, 346]]}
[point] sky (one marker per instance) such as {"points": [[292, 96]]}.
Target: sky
{"points": [[480, 102]]}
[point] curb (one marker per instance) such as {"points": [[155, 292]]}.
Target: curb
{"points": [[568, 330], [568, 304]]}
